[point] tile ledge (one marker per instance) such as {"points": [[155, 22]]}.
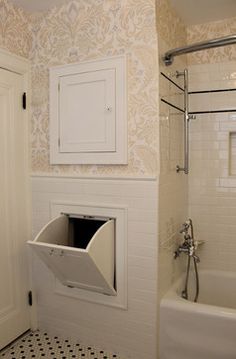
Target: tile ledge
{"points": [[94, 177]]}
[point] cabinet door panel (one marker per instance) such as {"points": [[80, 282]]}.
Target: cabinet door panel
{"points": [[87, 112]]}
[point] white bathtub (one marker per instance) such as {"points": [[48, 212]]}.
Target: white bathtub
{"points": [[203, 330]]}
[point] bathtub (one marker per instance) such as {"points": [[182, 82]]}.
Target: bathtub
{"points": [[203, 330]]}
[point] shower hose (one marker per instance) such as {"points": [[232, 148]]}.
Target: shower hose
{"points": [[185, 291]]}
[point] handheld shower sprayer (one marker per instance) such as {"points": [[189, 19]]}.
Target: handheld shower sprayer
{"points": [[188, 247]]}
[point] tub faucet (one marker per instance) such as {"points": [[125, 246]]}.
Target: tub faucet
{"points": [[188, 248], [185, 228], [188, 245]]}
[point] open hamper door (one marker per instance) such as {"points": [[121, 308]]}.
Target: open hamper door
{"points": [[79, 250]]}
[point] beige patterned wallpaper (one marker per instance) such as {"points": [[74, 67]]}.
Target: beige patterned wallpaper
{"points": [[208, 31], [169, 26], [82, 30], [15, 34]]}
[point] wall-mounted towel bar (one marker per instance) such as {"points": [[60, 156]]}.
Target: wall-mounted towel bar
{"points": [[188, 115], [211, 111], [211, 91], [185, 111], [172, 105], [172, 81], [185, 168]]}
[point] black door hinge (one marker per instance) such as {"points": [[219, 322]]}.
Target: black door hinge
{"points": [[30, 298], [24, 100]]}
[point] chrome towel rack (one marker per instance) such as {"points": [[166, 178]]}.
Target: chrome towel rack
{"points": [[187, 117], [185, 168], [168, 60]]}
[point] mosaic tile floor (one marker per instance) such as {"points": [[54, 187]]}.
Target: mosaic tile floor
{"points": [[41, 345]]}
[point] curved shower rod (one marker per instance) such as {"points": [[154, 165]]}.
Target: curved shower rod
{"points": [[204, 45]]}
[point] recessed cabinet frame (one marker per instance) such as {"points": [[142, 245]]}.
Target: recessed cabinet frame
{"points": [[88, 112]]}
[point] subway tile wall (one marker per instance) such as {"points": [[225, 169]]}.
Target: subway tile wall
{"points": [[232, 153], [130, 333], [212, 178]]}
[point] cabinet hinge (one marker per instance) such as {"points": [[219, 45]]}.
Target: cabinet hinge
{"points": [[24, 100], [30, 298], [59, 87]]}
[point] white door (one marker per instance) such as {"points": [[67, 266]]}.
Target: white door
{"points": [[14, 219]]}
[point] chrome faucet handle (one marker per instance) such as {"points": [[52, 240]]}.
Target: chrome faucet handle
{"points": [[181, 249], [187, 237], [185, 227]]}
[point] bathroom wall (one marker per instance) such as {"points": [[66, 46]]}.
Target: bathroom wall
{"points": [[78, 31], [15, 34], [212, 181], [173, 186], [130, 332], [83, 30], [209, 31]]}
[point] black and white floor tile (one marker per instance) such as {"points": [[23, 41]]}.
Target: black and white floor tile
{"points": [[41, 345]]}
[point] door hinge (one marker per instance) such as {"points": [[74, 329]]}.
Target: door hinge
{"points": [[24, 100], [30, 298]]}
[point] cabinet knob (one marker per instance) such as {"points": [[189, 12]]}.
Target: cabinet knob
{"points": [[109, 108]]}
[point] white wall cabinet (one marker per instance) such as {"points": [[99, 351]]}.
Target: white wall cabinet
{"points": [[88, 122]]}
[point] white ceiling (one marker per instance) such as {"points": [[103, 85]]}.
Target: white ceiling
{"points": [[191, 11], [200, 11]]}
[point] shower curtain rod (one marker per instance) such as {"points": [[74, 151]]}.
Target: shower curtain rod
{"points": [[222, 41]]}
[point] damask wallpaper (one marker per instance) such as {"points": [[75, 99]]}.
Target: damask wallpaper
{"points": [[209, 31], [83, 30], [169, 26], [15, 34]]}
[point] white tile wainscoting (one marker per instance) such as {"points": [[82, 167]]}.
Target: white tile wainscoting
{"points": [[130, 332]]}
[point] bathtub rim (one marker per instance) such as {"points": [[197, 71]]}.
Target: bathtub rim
{"points": [[173, 300]]}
